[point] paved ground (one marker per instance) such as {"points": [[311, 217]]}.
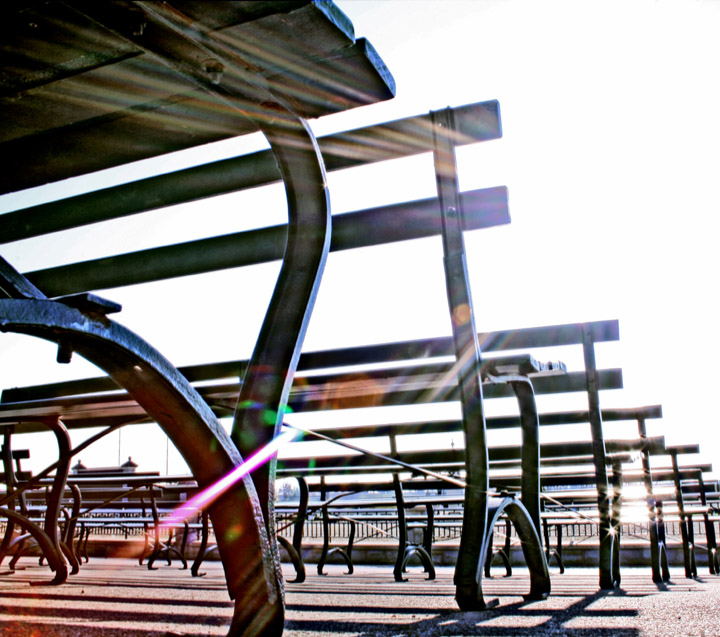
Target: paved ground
{"points": [[116, 597]]}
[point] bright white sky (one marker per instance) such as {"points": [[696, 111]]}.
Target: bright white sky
{"points": [[611, 156]]}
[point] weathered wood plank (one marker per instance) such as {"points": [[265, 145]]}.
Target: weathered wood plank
{"points": [[483, 209]]}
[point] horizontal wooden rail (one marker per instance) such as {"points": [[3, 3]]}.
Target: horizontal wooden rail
{"points": [[391, 140]]}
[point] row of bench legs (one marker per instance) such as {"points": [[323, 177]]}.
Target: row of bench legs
{"points": [[408, 550]]}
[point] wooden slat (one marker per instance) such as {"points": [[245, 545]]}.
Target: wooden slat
{"points": [[391, 140], [84, 89], [482, 209], [361, 355], [77, 412]]}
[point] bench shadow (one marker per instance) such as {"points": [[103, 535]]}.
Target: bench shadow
{"points": [[519, 618]]}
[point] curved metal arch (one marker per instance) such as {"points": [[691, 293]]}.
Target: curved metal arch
{"points": [[269, 375], [470, 597], [52, 547], [45, 542], [169, 399]]}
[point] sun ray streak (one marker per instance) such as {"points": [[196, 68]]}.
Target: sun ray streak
{"points": [[208, 495]]}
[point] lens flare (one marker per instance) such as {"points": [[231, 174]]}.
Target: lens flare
{"points": [[208, 495]]}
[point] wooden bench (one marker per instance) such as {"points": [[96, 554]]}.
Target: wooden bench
{"points": [[114, 410], [100, 501], [189, 78], [564, 508], [405, 493], [207, 95], [567, 505], [310, 386], [387, 386], [254, 389], [143, 504]]}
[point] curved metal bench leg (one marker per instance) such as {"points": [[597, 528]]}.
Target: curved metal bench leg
{"points": [[662, 545], [7, 538], [506, 562], [83, 542], [48, 537], [167, 397], [551, 553], [532, 549], [297, 562], [146, 550], [616, 519], [402, 555], [70, 556], [557, 553], [653, 513], [52, 510], [202, 549], [65, 546], [507, 547], [503, 553], [154, 553], [183, 546], [159, 547], [46, 544], [9, 472], [504, 558], [327, 551], [346, 558], [490, 552], [268, 378], [655, 551], [349, 547], [70, 527], [326, 541], [665, 568], [299, 525], [168, 550], [425, 560], [691, 543], [19, 545]]}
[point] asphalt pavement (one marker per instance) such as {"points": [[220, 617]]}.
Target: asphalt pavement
{"points": [[114, 597]]}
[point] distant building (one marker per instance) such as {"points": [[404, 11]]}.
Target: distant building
{"points": [[127, 467]]}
